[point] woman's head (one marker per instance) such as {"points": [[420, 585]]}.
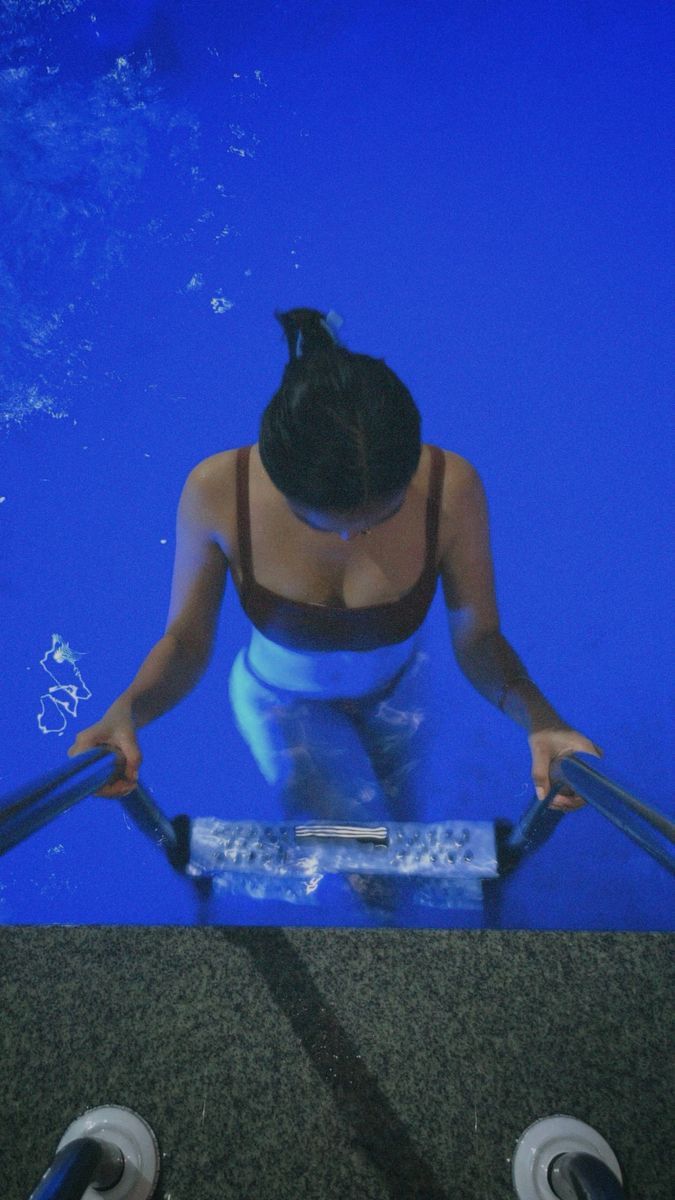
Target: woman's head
{"points": [[341, 435]]}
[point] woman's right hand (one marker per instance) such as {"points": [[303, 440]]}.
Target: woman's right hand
{"points": [[115, 730]]}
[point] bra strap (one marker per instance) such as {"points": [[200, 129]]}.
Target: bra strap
{"points": [[244, 516], [434, 505]]}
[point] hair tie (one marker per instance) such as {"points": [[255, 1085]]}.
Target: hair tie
{"points": [[332, 324]]}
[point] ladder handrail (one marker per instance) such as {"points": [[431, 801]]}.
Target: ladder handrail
{"points": [[83, 1163], [109, 1149], [29, 808], [585, 1176], [617, 805]]}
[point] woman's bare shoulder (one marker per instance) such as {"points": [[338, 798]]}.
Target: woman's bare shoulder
{"points": [[214, 479], [217, 467], [457, 470], [456, 479]]}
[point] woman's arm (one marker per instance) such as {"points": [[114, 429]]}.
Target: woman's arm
{"points": [[483, 654], [177, 661], [169, 673]]}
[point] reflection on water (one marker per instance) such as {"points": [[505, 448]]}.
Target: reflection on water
{"points": [[75, 149], [61, 700]]}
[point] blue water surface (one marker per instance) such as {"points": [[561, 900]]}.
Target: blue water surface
{"points": [[484, 193]]}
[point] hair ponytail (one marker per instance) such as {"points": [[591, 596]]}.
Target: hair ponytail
{"points": [[342, 430], [308, 331]]}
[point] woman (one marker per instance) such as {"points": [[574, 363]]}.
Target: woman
{"points": [[335, 526]]}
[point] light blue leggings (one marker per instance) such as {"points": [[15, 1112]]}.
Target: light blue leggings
{"points": [[347, 759], [352, 759]]}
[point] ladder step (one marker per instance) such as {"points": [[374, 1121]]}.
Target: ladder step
{"points": [[462, 850]]}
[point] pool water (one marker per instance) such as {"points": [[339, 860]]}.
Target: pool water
{"points": [[465, 185]]}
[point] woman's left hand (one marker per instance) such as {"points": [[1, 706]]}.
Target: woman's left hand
{"points": [[547, 744]]}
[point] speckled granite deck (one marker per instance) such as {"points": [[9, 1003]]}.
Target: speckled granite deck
{"points": [[346, 1063]]}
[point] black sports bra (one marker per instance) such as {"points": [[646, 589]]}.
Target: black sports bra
{"points": [[303, 626]]}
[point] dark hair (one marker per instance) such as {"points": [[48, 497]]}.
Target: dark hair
{"points": [[341, 431]]}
